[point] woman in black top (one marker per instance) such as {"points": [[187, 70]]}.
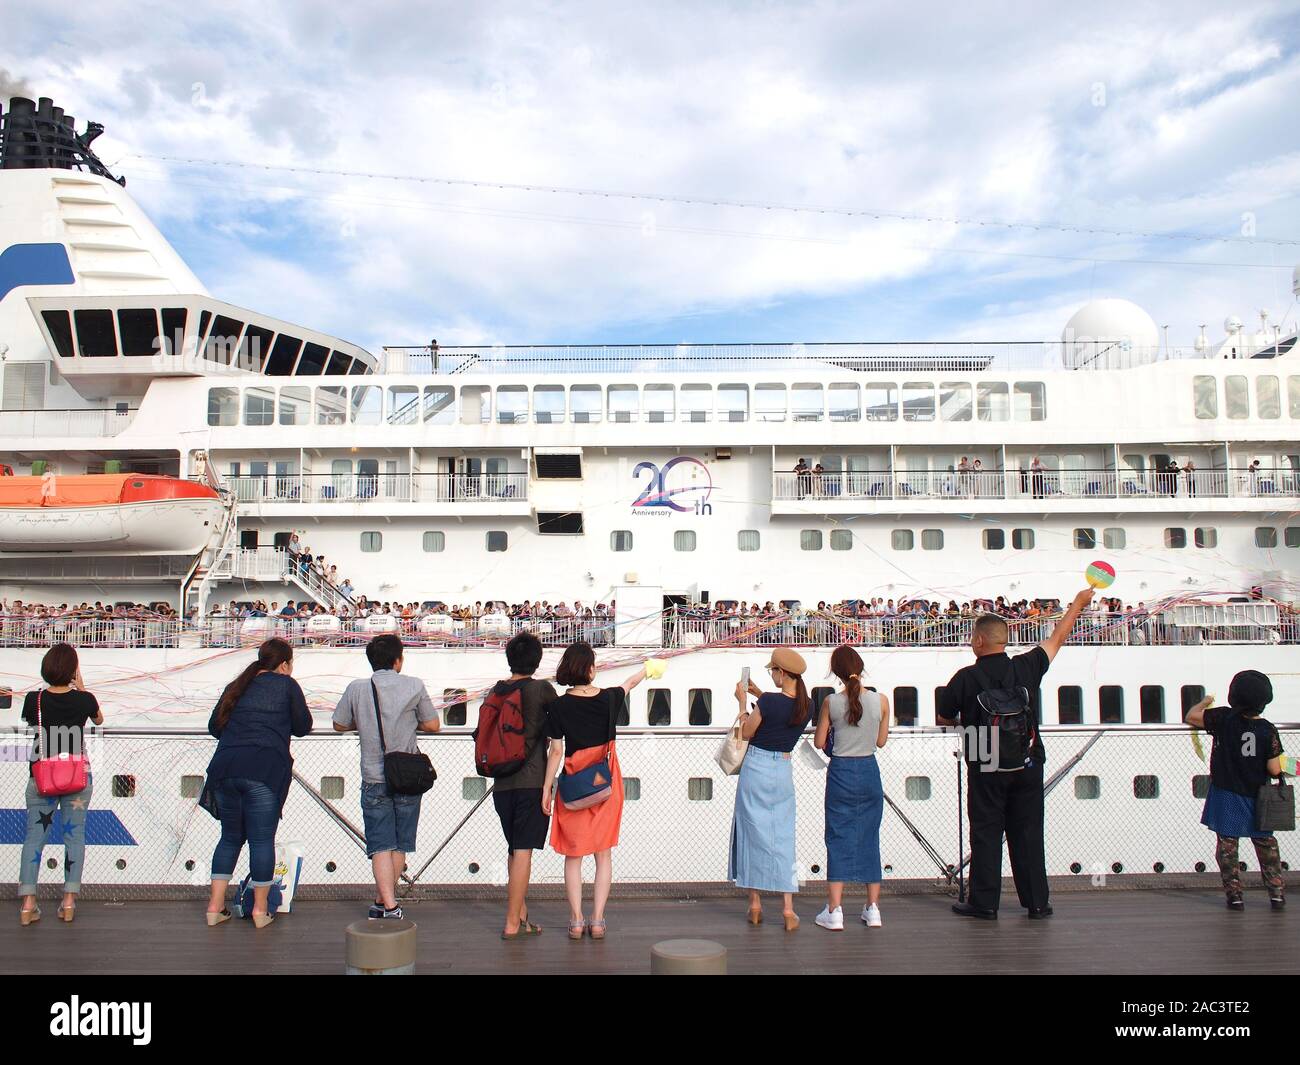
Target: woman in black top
{"points": [[64, 708], [251, 771], [1247, 753], [582, 724]]}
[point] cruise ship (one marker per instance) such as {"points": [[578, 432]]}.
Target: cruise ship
{"points": [[696, 502]]}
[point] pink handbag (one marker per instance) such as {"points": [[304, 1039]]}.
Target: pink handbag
{"points": [[64, 774]]}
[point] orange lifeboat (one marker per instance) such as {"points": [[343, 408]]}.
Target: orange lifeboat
{"points": [[107, 513]]}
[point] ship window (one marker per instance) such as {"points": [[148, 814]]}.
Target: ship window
{"points": [[367, 404], [901, 539], [1292, 536], [284, 353], [358, 368], [1022, 539], [254, 348], [806, 403], [747, 540], [331, 405], [1085, 539], [584, 403], [497, 540], [1190, 695], [455, 703], [769, 402], [995, 539], [1114, 539], [1087, 787], [223, 406], [1146, 786], [701, 706], [1205, 397], [204, 318], [918, 402], [659, 706], [138, 327], [906, 705], [1268, 396], [622, 403], [684, 540], [1175, 538], [259, 406], [620, 540], [223, 340], [372, 542], [548, 404], [1206, 536], [955, 401], [733, 403], [1029, 401], [338, 364], [818, 696], [697, 403], [95, 336], [931, 539], [439, 405], [512, 404], [1201, 786], [559, 523], [1235, 397], [991, 401], [59, 323], [312, 363], [660, 403], [841, 540], [403, 404], [1069, 704], [916, 789], [1152, 701], [844, 402], [1111, 698], [880, 400], [434, 542], [295, 405], [810, 539], [1265, 536], [1293, 395]]}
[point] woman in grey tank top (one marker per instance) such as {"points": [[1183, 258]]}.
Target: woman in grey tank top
{"points": [[855, 800]]}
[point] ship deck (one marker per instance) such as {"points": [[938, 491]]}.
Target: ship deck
{"points": [[1106, 931]]}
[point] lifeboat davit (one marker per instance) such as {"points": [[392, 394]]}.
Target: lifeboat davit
{"points": [[108, 513]]}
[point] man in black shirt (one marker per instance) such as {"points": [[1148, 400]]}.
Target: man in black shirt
{"points": [[1010, 802]]}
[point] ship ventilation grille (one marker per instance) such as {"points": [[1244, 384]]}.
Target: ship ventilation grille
{"points": [[559, 467], [559, 523], [24, 386]]}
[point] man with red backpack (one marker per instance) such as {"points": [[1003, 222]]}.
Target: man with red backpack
{"points": [[510, 747]]}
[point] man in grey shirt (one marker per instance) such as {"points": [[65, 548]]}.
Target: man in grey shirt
{"points": [[390, 820]]}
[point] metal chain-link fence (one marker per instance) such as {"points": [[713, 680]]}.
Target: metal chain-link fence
{"points": [[1120, 801]]}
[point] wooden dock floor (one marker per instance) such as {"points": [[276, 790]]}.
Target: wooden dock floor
{"points": [[1119, 932]]}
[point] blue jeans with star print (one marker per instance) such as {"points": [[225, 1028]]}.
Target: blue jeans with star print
{"points": [[55, 821]]}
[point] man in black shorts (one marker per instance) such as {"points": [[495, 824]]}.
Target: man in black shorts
{"points": [[518, 797], [1004, 802]]}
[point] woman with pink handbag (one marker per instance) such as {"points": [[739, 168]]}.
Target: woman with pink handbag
{"points": [[59, 784]]}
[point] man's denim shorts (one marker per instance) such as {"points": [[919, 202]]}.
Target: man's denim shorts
{"points": [[390, 820]]}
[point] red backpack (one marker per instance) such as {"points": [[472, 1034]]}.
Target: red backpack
{"points": [[499, 748]]}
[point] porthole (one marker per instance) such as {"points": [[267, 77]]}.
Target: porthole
{"points": [[1076, 868], [191, 787], [1159, 867], [473, 788], [473, 867], [331, 787], [917, 788], [699, 789], [1199, 867], [123, 786], [331, 867], [1117, 867], [631, 788], [1087, 787]]}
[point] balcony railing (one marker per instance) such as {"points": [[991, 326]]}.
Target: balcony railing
{"points": [[1026, 484], [39, 423], [330, 488]]}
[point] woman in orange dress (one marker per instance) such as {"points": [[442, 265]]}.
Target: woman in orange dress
{"points": [[582, 724]]}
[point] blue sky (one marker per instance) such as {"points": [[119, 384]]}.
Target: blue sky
{"points": [[1132, 117]]}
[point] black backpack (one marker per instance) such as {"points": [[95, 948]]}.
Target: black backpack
{"points": [[1006, 734]]}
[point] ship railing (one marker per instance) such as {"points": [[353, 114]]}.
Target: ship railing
{"points": [[72, 422], [124, 633], [338, 488]]}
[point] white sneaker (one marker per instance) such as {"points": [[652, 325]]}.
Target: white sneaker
{"points": [[831, 920], [871, 916]]}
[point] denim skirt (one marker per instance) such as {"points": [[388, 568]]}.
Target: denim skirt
{"points": [[855, 802], [762, 830], [1230, 814]]}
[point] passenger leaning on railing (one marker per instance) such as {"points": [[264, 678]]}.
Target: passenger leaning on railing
{"points": [[63, 709], [251, 771]]}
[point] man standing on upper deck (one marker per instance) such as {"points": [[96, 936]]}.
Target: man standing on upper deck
{"points": [[999, 798]]}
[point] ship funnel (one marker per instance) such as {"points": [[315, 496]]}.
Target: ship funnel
{"points": [[39, 136]]}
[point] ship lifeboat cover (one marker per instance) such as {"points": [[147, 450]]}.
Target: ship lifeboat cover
{"points": [[97, 490]]}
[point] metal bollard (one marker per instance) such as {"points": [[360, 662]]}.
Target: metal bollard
{"points": [[380, 948], [688, 957]]}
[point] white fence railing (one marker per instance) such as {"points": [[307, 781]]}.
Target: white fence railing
{"points": [[331, 488], [38, 423]]}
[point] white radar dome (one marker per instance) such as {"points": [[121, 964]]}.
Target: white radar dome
{"points": [[1109, 333]]}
